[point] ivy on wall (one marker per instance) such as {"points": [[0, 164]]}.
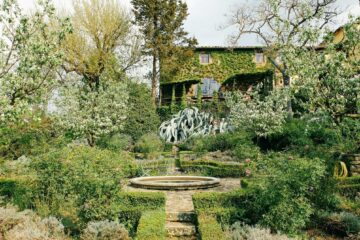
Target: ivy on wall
{"points": [[224, 65]]}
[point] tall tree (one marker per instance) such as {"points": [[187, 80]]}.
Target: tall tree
{"points": [[281, 24], [161, 22], [101, 48], [102, 39]]}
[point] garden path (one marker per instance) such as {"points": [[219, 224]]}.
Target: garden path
{"points": [[179, 208]]}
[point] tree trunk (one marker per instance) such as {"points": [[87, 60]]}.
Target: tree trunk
{"points": [[154, 80], [286, 80]]}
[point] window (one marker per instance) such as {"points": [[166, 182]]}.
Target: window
{"points": [[259, 58], [204, 58], [208, 87]]}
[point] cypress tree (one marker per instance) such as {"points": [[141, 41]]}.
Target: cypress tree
{"points": [[199, 96], [161, 23], [173, 100], [183, 97]]}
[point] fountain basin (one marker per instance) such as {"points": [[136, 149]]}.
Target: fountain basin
{"points": [[175, 182]]}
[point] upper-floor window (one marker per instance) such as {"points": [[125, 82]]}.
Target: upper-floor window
{"points": [[204, 58], [259, 58]]}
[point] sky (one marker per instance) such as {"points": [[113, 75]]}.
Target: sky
{"points": [[207, 16]]}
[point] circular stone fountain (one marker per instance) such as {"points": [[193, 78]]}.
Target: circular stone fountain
{"points": [[175, 182]]}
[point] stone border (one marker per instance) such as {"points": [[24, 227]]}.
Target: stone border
{"points": [[192, 182]]}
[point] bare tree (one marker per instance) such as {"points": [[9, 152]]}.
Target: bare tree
{"points": [[283, 23]]}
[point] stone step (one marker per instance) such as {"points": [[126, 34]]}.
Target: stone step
{"points": [[181, 216], [180, 229]]}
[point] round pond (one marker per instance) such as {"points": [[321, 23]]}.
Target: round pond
{"points": [[175, 182]]}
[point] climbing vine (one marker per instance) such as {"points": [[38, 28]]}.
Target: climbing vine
{"points": [[224, 65]]}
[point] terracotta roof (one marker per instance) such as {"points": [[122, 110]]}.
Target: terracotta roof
{"points": [[227, 47]]}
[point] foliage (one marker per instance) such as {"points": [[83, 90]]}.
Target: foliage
{"points": [[183, 98], [166, 41], [173, 105], [116, 142], [209, 228], [294, 188], [26, 225], [152, 225], [240, 231], [342, 224], [261, 115], [105, 230], [225, 64], [330, 85], [188, 123], [102, 40], [31, 138], [29, 57], [90, 113], [239, 143], [149, 144], [80, 184], [141, 114], [213, 168], [199, 96], [164, 113]]}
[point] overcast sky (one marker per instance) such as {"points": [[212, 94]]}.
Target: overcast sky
{"points": [[206, 17]]}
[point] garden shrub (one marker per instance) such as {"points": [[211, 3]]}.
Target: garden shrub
{"points": [[241, 231], [150, 145], [152, 225], [341, 224], [105, 230], [239, 143], [31, 138], [26, 225], [80, 184], [209, 228], [142, 117], [116, 142]]}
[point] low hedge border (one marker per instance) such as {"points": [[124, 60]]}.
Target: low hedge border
{"points": [[209, 228], [213, 168], [152, 225], [144, 200], [349, 190]]}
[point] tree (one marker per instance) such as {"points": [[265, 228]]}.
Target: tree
{"points": [[281, 24], [330, 84], [262, 116], [142, 117], [92, 114], [29, 57], [100, 50], [102, 40], [161, 23]]}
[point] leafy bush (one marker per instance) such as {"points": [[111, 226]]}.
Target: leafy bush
{"points": [[239, 143], [341, 224], [32, 138], [142, 117], [293, 189], [80, 184], [149, 144], [116, 142], [105, 230], [152, 225], [240, 231], [26, 225], [209, 228]]}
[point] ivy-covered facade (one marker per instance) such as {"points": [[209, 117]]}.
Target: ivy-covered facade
{"points": [[215, 70]]}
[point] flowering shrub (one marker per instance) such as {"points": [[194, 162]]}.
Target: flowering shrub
{"points": [[261, 115], [240, 231]]}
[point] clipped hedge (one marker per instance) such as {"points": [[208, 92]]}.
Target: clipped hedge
{"points": [[152, 225], [144, 200], [213, 168], [349, 186], [209, 228]]}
